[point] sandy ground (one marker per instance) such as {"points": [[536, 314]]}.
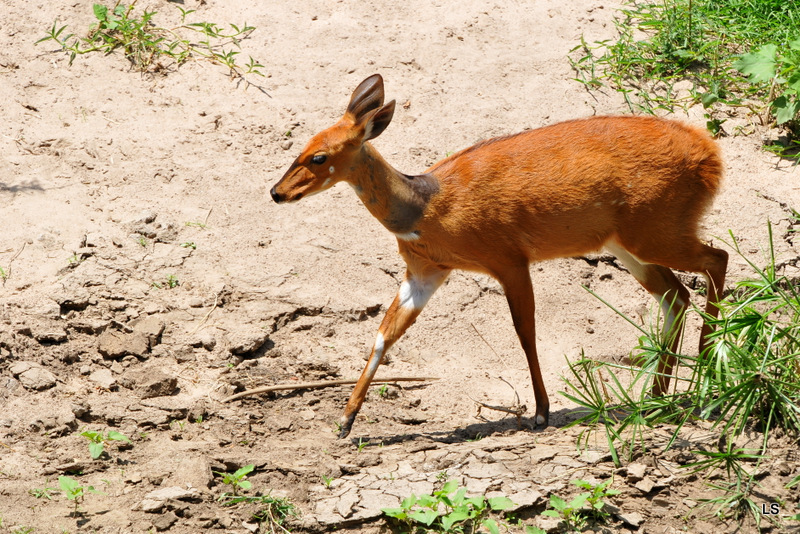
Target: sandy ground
{"points": [[113, 184]]}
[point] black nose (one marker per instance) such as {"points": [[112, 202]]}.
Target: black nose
{"points": [[275, 196]]}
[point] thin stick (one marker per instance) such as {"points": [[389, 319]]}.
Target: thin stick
{"points": [[214, 307], [325, 384], [488, 345]]}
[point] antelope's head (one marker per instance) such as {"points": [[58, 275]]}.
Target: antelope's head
{"points": [[333, 154]]}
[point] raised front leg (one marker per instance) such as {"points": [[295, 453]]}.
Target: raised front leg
{"points": [[414, 293], [519, 293]]}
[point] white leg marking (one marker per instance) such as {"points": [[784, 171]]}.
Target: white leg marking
{"points": [[669, 305], [415, 292], [378, 353], [631, 262], [539, 419]]}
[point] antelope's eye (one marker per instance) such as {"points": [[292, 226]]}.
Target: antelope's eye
{"points": [[319, 159]]}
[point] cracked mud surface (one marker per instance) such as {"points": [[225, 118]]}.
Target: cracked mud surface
{"points": [[107, 177]]}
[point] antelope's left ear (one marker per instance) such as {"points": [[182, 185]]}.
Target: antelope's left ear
{"points": [[377, 122]]}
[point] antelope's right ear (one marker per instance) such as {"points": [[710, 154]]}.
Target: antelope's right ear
{"points": [[378, 121]]}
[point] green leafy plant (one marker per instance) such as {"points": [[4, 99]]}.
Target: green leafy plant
{"points": [[779, 69], [74, 491], [748, 379], [147, 45], [272, 512], [43, 493], [697, 42], [327, 480], [448, 510], [584, 506], [382, 391], [238, 479], [97, 441], [189, 244]]}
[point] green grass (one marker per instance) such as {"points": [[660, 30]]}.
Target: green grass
{"points": [[150, 47], [747, 381], [699, 41]]}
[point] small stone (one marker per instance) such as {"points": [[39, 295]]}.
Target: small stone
{"points": [[172, 493], [114, 344], [35, 377], [247, 341], [645, 485], [286, 144], [636, 472], [104, 378], [152, 327], [165, 521], [155, 383], [633, 519]]}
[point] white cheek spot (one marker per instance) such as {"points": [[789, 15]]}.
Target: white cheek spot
{"points": [[410, 236], [331, 170]]}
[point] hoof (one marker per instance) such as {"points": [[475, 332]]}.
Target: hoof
{"points": [[346, 425]]}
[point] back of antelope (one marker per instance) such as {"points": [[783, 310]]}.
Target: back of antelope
{"points": [[636, 186]]}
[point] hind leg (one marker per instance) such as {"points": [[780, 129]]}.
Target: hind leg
{"points": [[673, 298]]}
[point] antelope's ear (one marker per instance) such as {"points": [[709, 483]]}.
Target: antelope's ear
{"points": [[378, 122], [367, 97]]}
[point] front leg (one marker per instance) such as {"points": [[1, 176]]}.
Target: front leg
{"points": [[416, 289]]}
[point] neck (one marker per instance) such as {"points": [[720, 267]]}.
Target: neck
{"points": [[396, 200]]}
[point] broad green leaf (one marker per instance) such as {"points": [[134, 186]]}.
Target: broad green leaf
{"points": [[551, 513], [759, 66], [118, 436], [449, 487], [458, 498], [785, 109], [491, 524], [557, 502], [397, 513], [96, 449], [244, 470], [454, 517], [100, 11], [426, 517], [245, 484], [409, 501], [428, 501], [534, 530], [93, 436], [500, 503], [578, 502], [477, 502]]}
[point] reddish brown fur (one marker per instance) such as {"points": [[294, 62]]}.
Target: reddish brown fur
{"points": [[637, 185]]}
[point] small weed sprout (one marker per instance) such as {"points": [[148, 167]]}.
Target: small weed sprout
{"points": [[237, 480], [74, 491], [189, 244], [43, 493], [327, 480], [362, 443], [97, 441], [382, 391]]}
